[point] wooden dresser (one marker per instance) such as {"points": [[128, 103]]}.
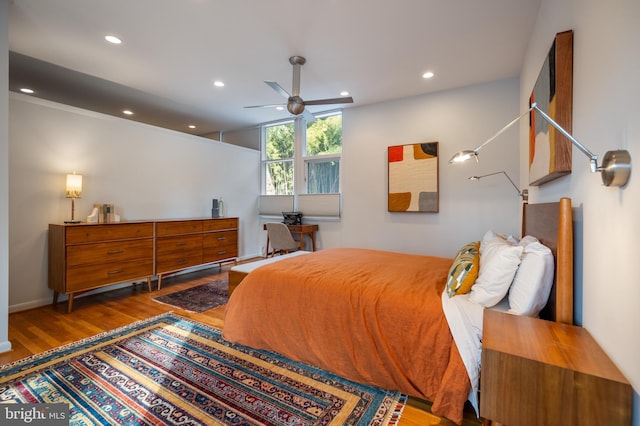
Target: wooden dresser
{"points": [[182, 244], [538, 373], [87, 256], [83, 256]]}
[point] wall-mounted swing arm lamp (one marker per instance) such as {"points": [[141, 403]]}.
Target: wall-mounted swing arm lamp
{"points": [[524, 193], [615, 168]]}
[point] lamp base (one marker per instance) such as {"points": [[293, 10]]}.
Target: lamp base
{"points": [[72, 221], [616, 168]]}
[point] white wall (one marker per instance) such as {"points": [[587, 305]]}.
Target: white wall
{"points": [[5, 345], [606, 116], [457, 119], [146, 171]]}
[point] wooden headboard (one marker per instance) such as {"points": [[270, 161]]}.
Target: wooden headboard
{"points": [[552, 224]]}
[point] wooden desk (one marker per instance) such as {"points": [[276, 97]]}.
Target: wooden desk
{"points": [[300, 230], [537, 372]]}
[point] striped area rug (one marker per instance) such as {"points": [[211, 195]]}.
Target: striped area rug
{"points": [[171, 370]]}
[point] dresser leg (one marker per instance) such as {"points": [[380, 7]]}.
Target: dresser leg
{"points": [[159, 281], [55, 297], [70, 303], [149, 284]]}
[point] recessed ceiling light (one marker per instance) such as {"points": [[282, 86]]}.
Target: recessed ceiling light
{"points": [[27, 90], [279, 108], [344, 93], [428, 74], [192, 126], [218, 83], [113, 39], [127, 112]]}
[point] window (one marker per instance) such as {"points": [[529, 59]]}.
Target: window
{"points": [[302, 162], [322, 155], [277, 164]]}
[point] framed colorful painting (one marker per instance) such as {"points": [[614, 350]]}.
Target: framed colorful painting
{"points": [[550, 151], [413, 177]]}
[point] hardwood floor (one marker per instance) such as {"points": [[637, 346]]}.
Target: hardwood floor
{"points": [[38, 330]]}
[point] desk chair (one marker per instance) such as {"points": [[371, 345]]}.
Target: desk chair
{"points": [[280, 238]]}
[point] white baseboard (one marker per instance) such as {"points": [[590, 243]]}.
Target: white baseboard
{"points": [[5, 346]]}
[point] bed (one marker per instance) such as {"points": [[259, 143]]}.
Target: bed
{"points": [[378, 317]]}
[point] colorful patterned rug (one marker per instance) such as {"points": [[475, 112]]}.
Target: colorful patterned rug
{"points": [[198, 299], [171, 370]]}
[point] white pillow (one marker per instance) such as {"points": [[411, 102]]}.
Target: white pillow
{"points": [[499, 262], [532, 284]]}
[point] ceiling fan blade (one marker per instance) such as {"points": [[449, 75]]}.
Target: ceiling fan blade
{"points": [[310, 118], [267, 106], [275, 86], [347, 100]]}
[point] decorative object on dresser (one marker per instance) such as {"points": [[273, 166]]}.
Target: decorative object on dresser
{"points": [[182, 244], [73, 191], [85, 256], [217, 208], [88, 256], [537, 372]]}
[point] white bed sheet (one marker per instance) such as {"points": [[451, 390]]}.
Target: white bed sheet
{"points": [[465, 321]]}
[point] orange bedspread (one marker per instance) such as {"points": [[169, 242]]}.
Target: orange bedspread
{"points": [[371, 316]]}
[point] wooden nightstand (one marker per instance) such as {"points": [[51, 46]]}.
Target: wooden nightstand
{"points": [[537, 372]]}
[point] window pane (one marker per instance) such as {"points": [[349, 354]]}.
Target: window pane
{"points": [[280, 141], [324, 136], [279, 179], [323, 177]]}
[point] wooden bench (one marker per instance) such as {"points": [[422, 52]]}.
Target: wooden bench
{"points": [[238, 272]]}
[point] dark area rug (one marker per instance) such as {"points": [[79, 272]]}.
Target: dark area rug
{"points": [[198, 299]]}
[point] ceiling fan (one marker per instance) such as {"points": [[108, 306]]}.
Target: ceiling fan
{"points": [[295, 104]]}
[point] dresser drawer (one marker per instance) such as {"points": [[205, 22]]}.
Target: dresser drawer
{"points": [[178, 227], [168, 245], [213, 254], [222, 238], [175, 261], [91, 276], [116, 251], [218, 224], [95, 233]]}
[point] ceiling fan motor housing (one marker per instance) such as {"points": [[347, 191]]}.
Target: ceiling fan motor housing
{"points": [[295, 105]]}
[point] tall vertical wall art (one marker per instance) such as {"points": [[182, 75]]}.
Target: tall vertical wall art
{"points": [[413, 177], [549, 151]]}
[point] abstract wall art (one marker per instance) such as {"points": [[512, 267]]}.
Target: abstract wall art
{"points": [[413, 177], [550, 151]]}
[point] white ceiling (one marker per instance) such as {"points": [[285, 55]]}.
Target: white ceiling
{"points": [[173, 50]]}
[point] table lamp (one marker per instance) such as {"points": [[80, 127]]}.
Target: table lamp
{"points": [[74, 190]]}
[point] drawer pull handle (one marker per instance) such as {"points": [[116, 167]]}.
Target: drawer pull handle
{"points": [[222, 252], [222, 238], [179, 261], [181, 243], [115, 251], [117, 271]]}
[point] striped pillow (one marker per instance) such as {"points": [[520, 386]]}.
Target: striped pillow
{"points": [[464, 270]]}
